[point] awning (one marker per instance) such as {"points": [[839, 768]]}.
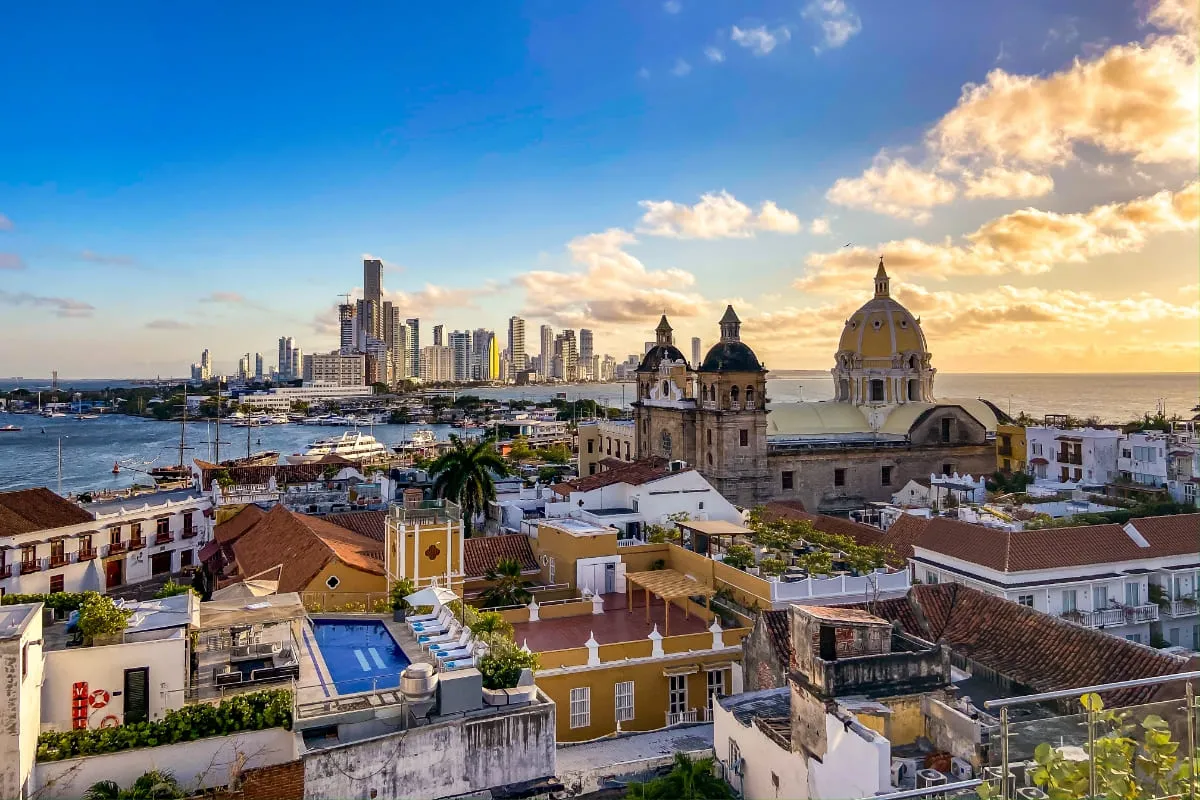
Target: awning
{"points": [[683, 669], [1038, 460], [718, 666], [715, 527]]}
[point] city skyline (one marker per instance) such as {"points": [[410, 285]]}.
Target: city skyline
{"points": [[1036, 200]]}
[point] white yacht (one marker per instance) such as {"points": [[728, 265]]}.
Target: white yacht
{"points": [[351, 444]]}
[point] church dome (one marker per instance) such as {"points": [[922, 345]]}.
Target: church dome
{"points": [[664, 348], [730, 354], [882, 329]]}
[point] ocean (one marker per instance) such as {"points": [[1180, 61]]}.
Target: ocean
{"points": [[89, 447]]}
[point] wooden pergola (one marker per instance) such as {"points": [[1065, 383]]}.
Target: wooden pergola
{"points": [[668, 585], [704, 531]]}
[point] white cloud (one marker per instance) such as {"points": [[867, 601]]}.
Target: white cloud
{"points": [[837, 21], [6, 224], [681, 68], [893, 187], [232, 298], [1026, 241], [714, 54], [11, 261], [717, 215], [167, 325], [643, 73], [672, 6], [820, 226], [62, 306], [1001, 182], [610, 287], [759, 40]]}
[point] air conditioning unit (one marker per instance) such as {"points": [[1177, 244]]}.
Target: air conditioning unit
{"points": [[677, 466], [1031, 793], [993, 776], [905, 769], [927, 778], [961, 770]]}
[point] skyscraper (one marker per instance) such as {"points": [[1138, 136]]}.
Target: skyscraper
{"points": [[349, 336], [244, 367], [481, 344], [206, 365], [547, 335], [438, 333], [493, 370], [414, 347], [373, 281], [516, 344], [297, 364], [696, 351], [287, 368], [258, 366], [460, 344], [396, 338], [585, 355], [437, 364], [570, 356]]}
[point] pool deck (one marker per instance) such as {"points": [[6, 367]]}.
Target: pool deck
{"points": [[322, 688]]}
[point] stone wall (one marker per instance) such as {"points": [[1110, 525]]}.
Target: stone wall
{"points": [[764, 669]]}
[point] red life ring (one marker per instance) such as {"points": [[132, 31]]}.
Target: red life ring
{"points": [[110, 721], [100, 698]]}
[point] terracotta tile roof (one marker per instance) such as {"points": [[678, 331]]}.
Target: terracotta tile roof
{"points": [[1036, 650], [904, 532], [1018, 551], [304, 545], [483, 553], [779, 632], [232, 529], [366, 523], [29, 510], [853, 615], [634, 473], [282, 473]]}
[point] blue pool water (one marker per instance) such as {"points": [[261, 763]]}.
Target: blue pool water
{"points": [[360, 655]]}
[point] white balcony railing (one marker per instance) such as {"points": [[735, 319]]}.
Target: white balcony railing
{"points": [[681, 717], [630, 542], [1126, 615], [1186, 607], [1147, 613]]}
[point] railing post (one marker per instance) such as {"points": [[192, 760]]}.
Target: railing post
{"points": [[1004, 752], [1190, 695], [1091, 733]]}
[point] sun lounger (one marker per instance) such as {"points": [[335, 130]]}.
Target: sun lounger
{"points": [[450, 655], [440, 621], [456, 643], [429, 639]]}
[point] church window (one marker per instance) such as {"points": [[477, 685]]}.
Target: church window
{"points": [[708, 438], [914, 389], [749, 397], [885, 475], [912, 362], [710, 459], [666, 389], [903, 323], [877, 392], [788, 479], [733, 395], [947, 469], [744, 437], [839, 477]]}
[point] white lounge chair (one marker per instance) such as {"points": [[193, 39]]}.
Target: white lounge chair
{"points": [[452, 655], [455, 643], [418, 618], [440, 621], [429, 639]]}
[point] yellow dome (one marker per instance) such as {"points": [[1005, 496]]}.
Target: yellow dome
{"points": [[882, 329]]}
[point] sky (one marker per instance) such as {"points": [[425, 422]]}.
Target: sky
{"points": [[181, 176]]}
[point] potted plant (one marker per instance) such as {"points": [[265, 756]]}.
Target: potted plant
{"points": [[400, 589]]}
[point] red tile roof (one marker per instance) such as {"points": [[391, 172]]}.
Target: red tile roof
{"points": [[232, 529], [367, 523], [483, 553], [903, 533], [1018, 551], [779, 633], [303, 545], [30, 510], [634, 473]]}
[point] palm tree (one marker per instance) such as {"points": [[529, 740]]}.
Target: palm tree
{"points": [[464, 474], [507, 589], [687, 780]]}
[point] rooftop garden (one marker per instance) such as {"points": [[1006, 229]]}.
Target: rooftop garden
{"points": [[780, 545]]}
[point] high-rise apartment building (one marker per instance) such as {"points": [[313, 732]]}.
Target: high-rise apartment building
{"points": [[516, 344], [335, 367], [460, 345], [547, 352], [258, 366], [373, 281], [437, 364], [287, 368], [297, 362], [414, 347], [586, 371], [696, 351], [243, 372], [376, 366], [347, 319], [481, 362], [206, 370], [439, 333], [493, 359]]}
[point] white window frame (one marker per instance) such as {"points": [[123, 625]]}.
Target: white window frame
{"points": [[1022, 598], [715, 687], [1099, 598], [1074, 597], [677, 700], [581, 707], [623, 700], [1133, 593]]}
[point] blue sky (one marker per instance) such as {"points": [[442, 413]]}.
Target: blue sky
{"points": [[156, 155]]}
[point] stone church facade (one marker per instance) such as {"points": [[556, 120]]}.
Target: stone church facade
{"points": [[883, 428]]}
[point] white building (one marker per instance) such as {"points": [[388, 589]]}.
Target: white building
{"points": [[1132, 581], [941, 491], [1143, 458], [20, 712], [281, 398], [49, 544], [437, 364], [337, 368], [1072, 455], [1183, 464]]}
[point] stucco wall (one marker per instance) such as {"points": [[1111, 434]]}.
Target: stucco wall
{"points": [[104, 668], [439, 760], [20, 718], [200, 764]]}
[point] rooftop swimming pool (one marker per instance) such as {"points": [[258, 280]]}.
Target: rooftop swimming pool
{"points": [[361, 656]]}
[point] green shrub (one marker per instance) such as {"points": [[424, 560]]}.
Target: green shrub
{"points": [[400, 590], [100, 616], [171, 588], [254, 711], [62, 602], [772, 566], [740, 556], [501, 666]]}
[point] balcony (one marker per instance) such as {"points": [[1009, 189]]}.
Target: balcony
{"points": [[86, 555], [59, 561], [164, 538], [189, 533], [680, 717], [114, 549], [136, 544], [1182, 607], [31, 566], [1075, 459], [1118, 615]]}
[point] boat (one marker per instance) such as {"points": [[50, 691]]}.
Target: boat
{"points": [[10, 429], [116, 470], [351, 444], [420, 440], [87, 416]]}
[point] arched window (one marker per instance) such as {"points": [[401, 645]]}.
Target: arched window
{"points": [[749, 397], [733, 395], [710, 459], [708, 438], [912, 362], [843, 389], [666, 389]]}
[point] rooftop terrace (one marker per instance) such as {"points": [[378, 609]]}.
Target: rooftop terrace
{"points": [[617, 624]]}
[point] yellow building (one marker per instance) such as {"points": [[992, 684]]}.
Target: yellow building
{"points": [[423, 541], [1010, 448], [604, 439]]}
